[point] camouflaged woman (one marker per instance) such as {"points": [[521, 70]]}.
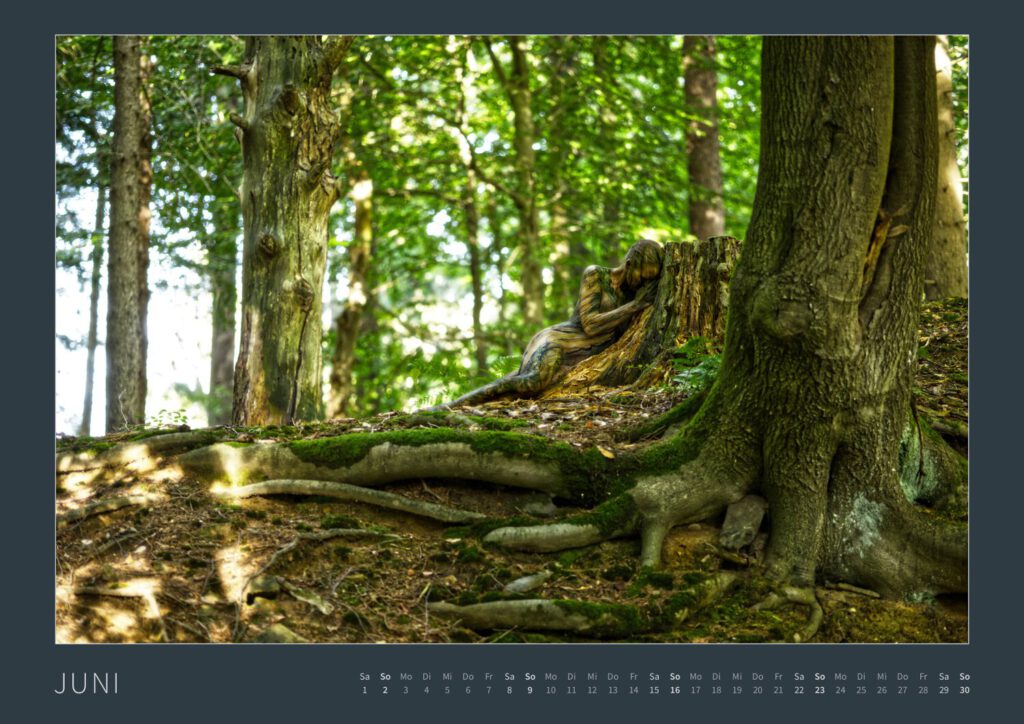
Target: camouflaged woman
{"points": [[608, 301]]}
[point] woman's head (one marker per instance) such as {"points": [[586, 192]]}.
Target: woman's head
{"points": [[642, 263]]}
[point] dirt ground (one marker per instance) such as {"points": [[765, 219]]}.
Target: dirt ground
{"points": [[186, 566]]}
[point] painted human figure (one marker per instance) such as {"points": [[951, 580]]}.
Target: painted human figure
{"points": [[608, 301]]}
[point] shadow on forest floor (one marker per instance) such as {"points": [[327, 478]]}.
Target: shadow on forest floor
{"points": [[187, 566]]}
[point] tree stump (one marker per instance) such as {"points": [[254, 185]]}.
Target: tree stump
{"points": [[693, 296]]}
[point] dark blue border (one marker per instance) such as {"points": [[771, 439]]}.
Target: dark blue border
{"points": [[206, 683]]}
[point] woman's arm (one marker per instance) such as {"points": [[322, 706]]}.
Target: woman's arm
{"points": [[594, 321]]}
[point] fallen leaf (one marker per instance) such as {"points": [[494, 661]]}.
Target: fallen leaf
{"points": [[607, 453]]}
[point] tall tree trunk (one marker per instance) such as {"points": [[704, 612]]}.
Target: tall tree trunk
{"points": [[517, 86], [945, 271], [288, 137], [611, 208], [500, 261], [127, 290], [222, 266], [707, 210], [813, 397], [471, 211], [94, 302], [349, 322], [567, 270]]}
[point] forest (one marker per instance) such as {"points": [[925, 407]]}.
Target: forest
{"points": [[511, 338]]}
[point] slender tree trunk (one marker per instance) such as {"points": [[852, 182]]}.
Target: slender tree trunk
{"points": [[94, 301], [500, 260], [567, 271], [611, 211], [945, 272], [518, 86], [470, 209], [289, 133], [707, 210], [127, 290], [349, 322], [222, 266]]}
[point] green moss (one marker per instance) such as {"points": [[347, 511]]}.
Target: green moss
{"points": [[612, 619], [482, 528], [469, 554], [678, 414], [612, 516], [580, 468], [340, 521], [648, 578], [569, 558]]}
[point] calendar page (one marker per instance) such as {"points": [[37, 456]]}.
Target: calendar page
{"points": [[431, 362]]}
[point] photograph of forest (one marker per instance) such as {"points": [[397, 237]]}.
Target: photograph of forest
{"points": [[511, 339]]}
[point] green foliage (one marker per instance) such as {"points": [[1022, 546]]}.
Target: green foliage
{"points": [[695, 366], [609, 121]]}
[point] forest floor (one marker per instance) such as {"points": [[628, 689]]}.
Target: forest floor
{"points": [[191, 567]]}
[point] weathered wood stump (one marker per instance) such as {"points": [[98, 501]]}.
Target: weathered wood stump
{"points": [[693, 296]]}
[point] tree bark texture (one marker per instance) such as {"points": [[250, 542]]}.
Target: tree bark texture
{"points": [[814, 391], [517, 85], [692, 300], [127, 289], [222, 266], [96, 256], [945, 271], [348, 323], [704, 165], [289, 133]]}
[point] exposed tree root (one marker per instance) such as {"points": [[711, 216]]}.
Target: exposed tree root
{"points": [[800, 596], [537, 614], [372, 459], [106, 505], [600, 620], [354, 493], [140, 457], [545, 538]]}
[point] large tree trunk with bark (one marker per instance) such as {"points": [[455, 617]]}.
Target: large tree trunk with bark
{"points": [[703, 163], [127, 289], [945, 271], [289, 132], [814, 392]]}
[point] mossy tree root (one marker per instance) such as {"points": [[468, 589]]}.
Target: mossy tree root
{"points": [[136, 456], [599, 620], [373, 459], [354, 493], [801, 597], [538, 614], [614, 518]]}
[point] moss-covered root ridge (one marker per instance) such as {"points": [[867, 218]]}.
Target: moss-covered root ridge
{"points": [[598, 620], [612, 519], [141, 455], [354, 493], [370, 459]]}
